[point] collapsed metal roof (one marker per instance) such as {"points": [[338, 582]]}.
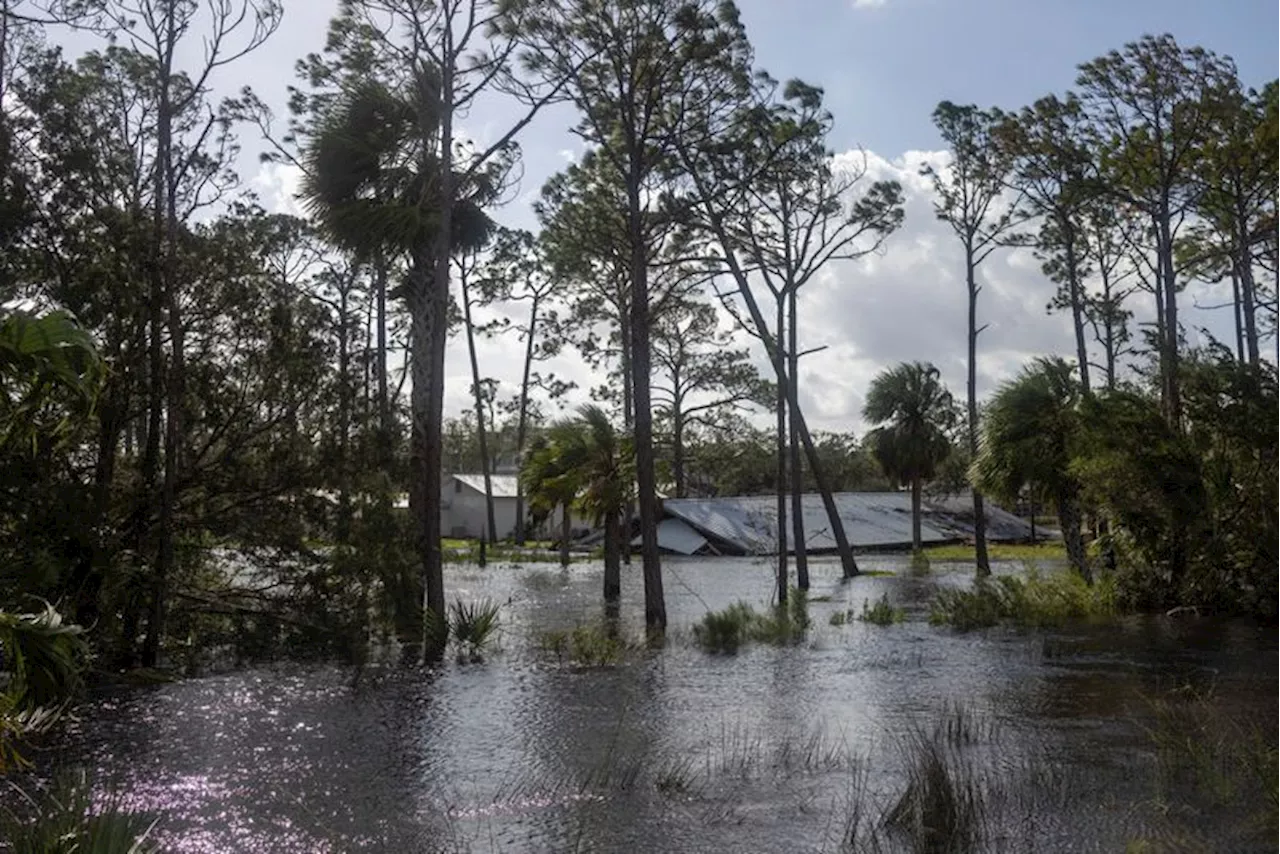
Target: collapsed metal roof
{"points": [[748, 524]]}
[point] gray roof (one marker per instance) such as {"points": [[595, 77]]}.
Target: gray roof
{"points": [[504, 485], [871, 520]]}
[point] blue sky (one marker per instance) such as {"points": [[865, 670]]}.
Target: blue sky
{"points": [[885, 66]]}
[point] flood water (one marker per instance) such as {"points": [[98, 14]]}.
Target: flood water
{"points": [[674, 749]]}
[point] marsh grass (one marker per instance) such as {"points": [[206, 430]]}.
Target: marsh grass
{"points": [[587, 646], [1212, 761], [68, 819], [882, 613], [728, 630], [1034, 601]]}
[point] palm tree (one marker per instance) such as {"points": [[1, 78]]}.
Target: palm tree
{"points": [[584, 463], [371, 175], [917, 413], [1030, 433]]}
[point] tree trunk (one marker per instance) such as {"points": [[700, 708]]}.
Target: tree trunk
{"points": [[612, 558], [780, 411], [655, 608], [522, 419], [344, 419], [1248, 304], [1069, 517], [1077, 307], [979, 512], [381, 273], [797, 473], [917, 543], [482, 436], [849, 566], [1170, 292], [628, 403], [566, 528], [1237, 309], [677, 437], [166, 233]]}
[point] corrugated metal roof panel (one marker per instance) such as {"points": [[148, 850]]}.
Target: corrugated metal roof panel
{"points": [[871, 520], [677, 536]]}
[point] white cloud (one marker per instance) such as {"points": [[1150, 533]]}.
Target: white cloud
{"points": [[868, 4], [277, 187], [907, 303]]}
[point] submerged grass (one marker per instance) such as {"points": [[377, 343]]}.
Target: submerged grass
{"points": [[882, 613], [728, 630], [1034, 601], [588, 645]]}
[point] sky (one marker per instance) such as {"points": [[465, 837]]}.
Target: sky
{"points": [[884, 65]]}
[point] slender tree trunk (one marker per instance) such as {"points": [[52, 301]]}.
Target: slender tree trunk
{"points": [[677, 437], [1170, 292], [612, 558], [381, 272], [1237, 309], [979, 512], [522, 419], [848, 564], [1077, 308], [797, 472], [780, 411], [344, 418], [482, 435], [1248, 303], [655, 608], [628, 404], [566, 528], [90, 572], [166, 228], [917, 542]]}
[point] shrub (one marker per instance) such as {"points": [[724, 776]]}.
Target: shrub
{"points": [[728, 630], [472, 626], [66, 819], [593, 645]]}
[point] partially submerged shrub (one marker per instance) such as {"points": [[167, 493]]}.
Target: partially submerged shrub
{"points": [[1036, 601], [472, 626], [882, 613]]}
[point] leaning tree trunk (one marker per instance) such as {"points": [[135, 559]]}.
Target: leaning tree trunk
{"points": [[655, 608], [482, 435], [979, 512], [797, 473], [1077, 309], [847, 562], [780, 367]]}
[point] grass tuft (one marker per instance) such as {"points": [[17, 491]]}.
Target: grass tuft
{"points": [[728, 630], [67, 818], [591, 645], [882, 613]]}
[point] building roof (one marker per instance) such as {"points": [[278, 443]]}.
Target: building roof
{"points": [[504, 485], [748, 524]]}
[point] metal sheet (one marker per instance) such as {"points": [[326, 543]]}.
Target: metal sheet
{"points": [[748, 524], [676, 536]]}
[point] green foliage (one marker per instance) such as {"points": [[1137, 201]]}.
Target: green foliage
{"points": [[726, 631], [1033, 601], [590, 645], [919, 415], [944, 804], [69, 819], [472, 625], [998, 551], [882, 613]]}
